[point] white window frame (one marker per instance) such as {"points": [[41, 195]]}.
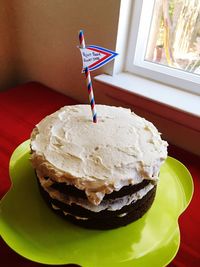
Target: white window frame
{"points": [[135, 63]]}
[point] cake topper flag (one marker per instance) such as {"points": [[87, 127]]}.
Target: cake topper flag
{"points": [[93, 57]]}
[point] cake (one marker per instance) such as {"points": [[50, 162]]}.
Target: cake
{"points": [[98, 175]]}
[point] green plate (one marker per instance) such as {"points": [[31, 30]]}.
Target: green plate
{"points": [[30, 228]]}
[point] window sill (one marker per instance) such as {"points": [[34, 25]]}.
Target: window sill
{"points": [[172, 97]]}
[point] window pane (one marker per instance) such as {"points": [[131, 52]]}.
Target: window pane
{"points": [[174, 38]]}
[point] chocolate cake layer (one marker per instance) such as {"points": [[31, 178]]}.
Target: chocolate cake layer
{"points": [[73, 191], [104, 219], [110, 223]]}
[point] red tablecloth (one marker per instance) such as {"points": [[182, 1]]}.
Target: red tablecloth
{"points": [[22, 107]]}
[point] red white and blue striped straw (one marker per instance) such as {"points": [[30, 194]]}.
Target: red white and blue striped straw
{"points": [[88, 81], [91, 94], [81, 39]]}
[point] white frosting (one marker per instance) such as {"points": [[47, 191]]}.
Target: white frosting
{"points": [[81, 218], [77, 217], [67, 213], [120, 149], [109, 204]]}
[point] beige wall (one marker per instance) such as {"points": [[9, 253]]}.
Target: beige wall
{"points": [[46, 34], [8, 73]]}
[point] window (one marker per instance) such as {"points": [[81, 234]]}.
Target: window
{"points": [[164, 42]]}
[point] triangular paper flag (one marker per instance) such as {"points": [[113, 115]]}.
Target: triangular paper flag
{"points": [[94, 56]]}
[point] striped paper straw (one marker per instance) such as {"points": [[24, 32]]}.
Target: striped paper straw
{"points": [[91, 95], [81, 39], [89, 81]]}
